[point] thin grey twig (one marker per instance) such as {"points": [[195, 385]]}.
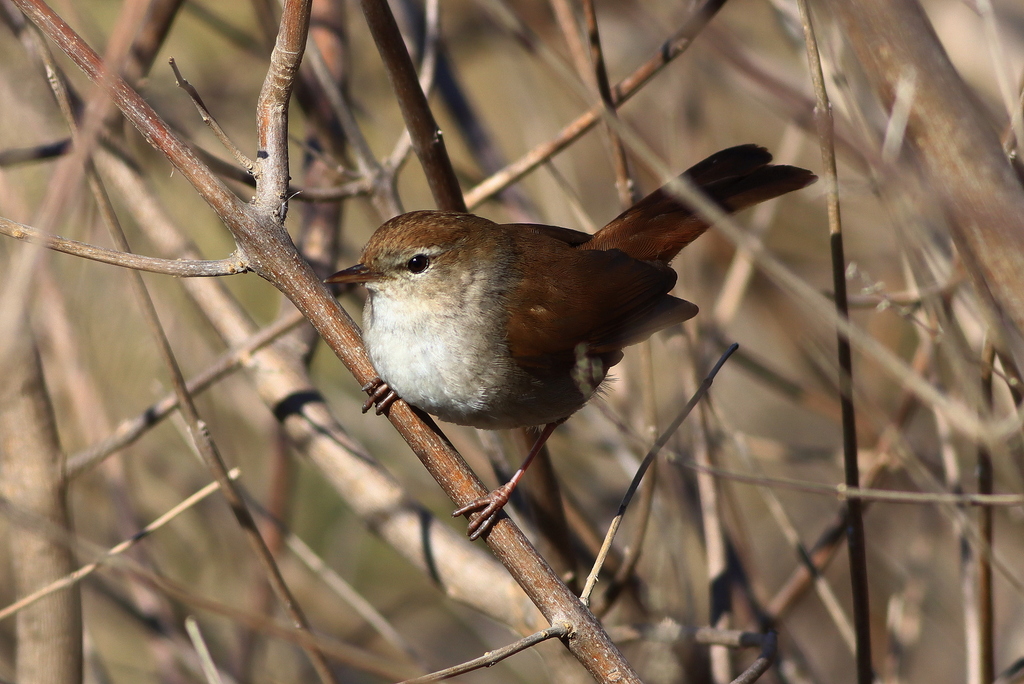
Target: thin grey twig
{"points": [[588, 589], [493, 657], [623, 179], [182, 268], [205, 659], [209, 119]]}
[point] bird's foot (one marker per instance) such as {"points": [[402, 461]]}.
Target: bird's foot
{"points": [[490, 506], [380, 394]]}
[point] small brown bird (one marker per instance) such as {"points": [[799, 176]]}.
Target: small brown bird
{"points": [[504, 326]]}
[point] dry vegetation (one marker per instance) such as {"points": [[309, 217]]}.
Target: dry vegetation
{"points": [[741, 499]]}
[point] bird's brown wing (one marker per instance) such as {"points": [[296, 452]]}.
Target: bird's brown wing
{"points": [[604, 300]]}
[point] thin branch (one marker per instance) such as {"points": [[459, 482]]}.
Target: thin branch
{"points": [[986, 613], [623, 179], [209, 667], [182, 268], [428, 72], [208, 118], [842, 492], [427, 141], [493, 657], [855, 539], [588, 588], [565, 15]]}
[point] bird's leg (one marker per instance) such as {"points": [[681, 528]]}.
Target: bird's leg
{"points": [[491, 504], [380, 394]]}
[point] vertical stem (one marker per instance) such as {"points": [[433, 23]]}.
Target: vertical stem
{"points": [[623, 180], [985, 637], [855, 521]]}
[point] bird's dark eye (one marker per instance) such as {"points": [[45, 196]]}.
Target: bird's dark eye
{"points": [[418, 264]]}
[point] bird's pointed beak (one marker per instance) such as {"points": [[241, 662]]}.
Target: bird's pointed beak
{"points": [[360, 273]]}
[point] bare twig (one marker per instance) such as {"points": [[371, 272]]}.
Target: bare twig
{"points": [[855, 539], [428, 72], [209, 667], [842, 492], [175, 267], [493, 657], [208, 118], [565, 14], [623, 179], [426, 136], [588, 589], [272, 109], [986, 615]]}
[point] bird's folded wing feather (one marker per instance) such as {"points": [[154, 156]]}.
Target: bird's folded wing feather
{"points": [[625, 301]]}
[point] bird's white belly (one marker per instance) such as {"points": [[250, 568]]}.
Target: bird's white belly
{"points": [[435, 360]]}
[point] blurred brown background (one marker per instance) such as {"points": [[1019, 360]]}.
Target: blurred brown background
{"points": [[773, 411]]}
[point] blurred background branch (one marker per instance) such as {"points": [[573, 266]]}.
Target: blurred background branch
{"points": [[926, 119]]}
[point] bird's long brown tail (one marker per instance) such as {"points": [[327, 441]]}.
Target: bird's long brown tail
{"points": [[659, 225]]}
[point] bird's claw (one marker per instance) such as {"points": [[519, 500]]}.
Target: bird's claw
{"points": [[380, 394], [490, 506]]}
